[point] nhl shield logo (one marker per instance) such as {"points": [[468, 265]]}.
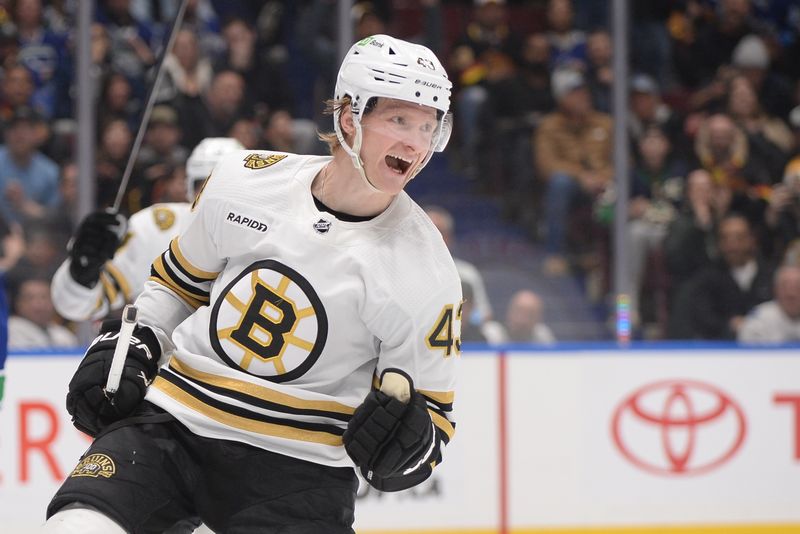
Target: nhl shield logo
{"points": [[257, 161], [322, 226], [95, 465]]}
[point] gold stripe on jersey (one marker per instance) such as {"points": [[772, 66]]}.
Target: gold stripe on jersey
{"points": [[441, 397], [120, 279], [185, 265], [259, 392], [160, 274], [442, 424], [194, 303], [109, 289], [244, 423]]}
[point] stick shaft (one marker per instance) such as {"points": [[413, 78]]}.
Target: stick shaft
{"points": [[121, 349], [148, 108]]}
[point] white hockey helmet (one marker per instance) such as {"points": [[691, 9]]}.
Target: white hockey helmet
{"points": [[382, 66], [204, 157]]}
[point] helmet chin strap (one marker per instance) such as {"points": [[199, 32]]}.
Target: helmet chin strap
{"points": [[355, 155]]}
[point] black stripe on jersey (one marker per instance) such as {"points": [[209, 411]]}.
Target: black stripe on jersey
{"points": [[192, 290], [174, 256], [443, 407], [242, 412], [262, 403]]}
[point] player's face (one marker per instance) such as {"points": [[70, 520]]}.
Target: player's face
{"points": [[397, 137]]}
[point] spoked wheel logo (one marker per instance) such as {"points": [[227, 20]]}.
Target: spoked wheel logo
{"points": [[678, 427]]}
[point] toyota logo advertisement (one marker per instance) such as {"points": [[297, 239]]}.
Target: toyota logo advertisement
{"points": [[678, 427]]}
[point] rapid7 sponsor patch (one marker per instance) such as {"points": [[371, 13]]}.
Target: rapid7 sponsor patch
{"points": [[243, 220]]}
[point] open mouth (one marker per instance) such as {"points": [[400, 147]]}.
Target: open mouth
{"points": [[397, 163]]}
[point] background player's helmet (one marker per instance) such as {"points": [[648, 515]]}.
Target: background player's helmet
{"points": [[382, 66], [204, 157]]}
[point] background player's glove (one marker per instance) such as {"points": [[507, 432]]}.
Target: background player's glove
{"points": [[386, 436], [95, 242], [87, 403]]}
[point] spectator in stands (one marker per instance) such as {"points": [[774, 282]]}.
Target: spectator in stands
{"points": [[34, 323], [567, 44], [751, 58], [471, 331], [487, 42], [518, 98], [13, 249], [599, 71], [45, 249], [264, 69], [117, 102], [63, 215], [691, 244], [523, 322], [715, 301], [28, 178], [656, 190], [212, 114], [285, 134], [648, 109], [248, 132], [45, 54], [112, 156], [168, 186], [162, 140], [709, 46], [572, 147], [17, 90], [769, 139], [187, 72], [469, 274], [794, 122], [100, 51], [722, 149], [131, 42], [777, 320], [201, 19], [782, 216]]}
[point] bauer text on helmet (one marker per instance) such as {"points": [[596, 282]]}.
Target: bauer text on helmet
{"points": [[203, 159], [382, 66]]}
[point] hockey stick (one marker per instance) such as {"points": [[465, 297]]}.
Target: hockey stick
{"points": [[148, 108], [121, 351]]}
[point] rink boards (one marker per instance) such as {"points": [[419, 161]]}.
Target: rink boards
{"points": [[652, 439]]}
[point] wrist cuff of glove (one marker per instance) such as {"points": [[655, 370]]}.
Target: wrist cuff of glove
{"points": [[87, 276], [396, 482]]}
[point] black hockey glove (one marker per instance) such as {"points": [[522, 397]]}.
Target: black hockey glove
{"points": [[87, 403], [386, 436], [95, 242]]}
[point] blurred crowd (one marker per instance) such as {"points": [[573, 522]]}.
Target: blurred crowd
{"points": [[714, 100]]}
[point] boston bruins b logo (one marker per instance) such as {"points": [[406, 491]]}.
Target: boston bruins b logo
{"points": [[269, 322]]}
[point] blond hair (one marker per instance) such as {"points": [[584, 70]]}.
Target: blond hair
{"points": [[332, 106]]}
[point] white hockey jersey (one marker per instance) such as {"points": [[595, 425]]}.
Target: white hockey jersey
{"points": [[295, 314], [122, 279]]}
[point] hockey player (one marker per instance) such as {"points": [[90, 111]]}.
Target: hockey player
{"points": [[301, 284], [87, 285]]}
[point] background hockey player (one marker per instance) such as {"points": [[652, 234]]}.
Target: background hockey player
{"points": [[299, 287], [87, 285]]}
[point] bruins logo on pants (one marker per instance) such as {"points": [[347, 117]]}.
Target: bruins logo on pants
{"points": [[95, 465], [269, 322]]}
